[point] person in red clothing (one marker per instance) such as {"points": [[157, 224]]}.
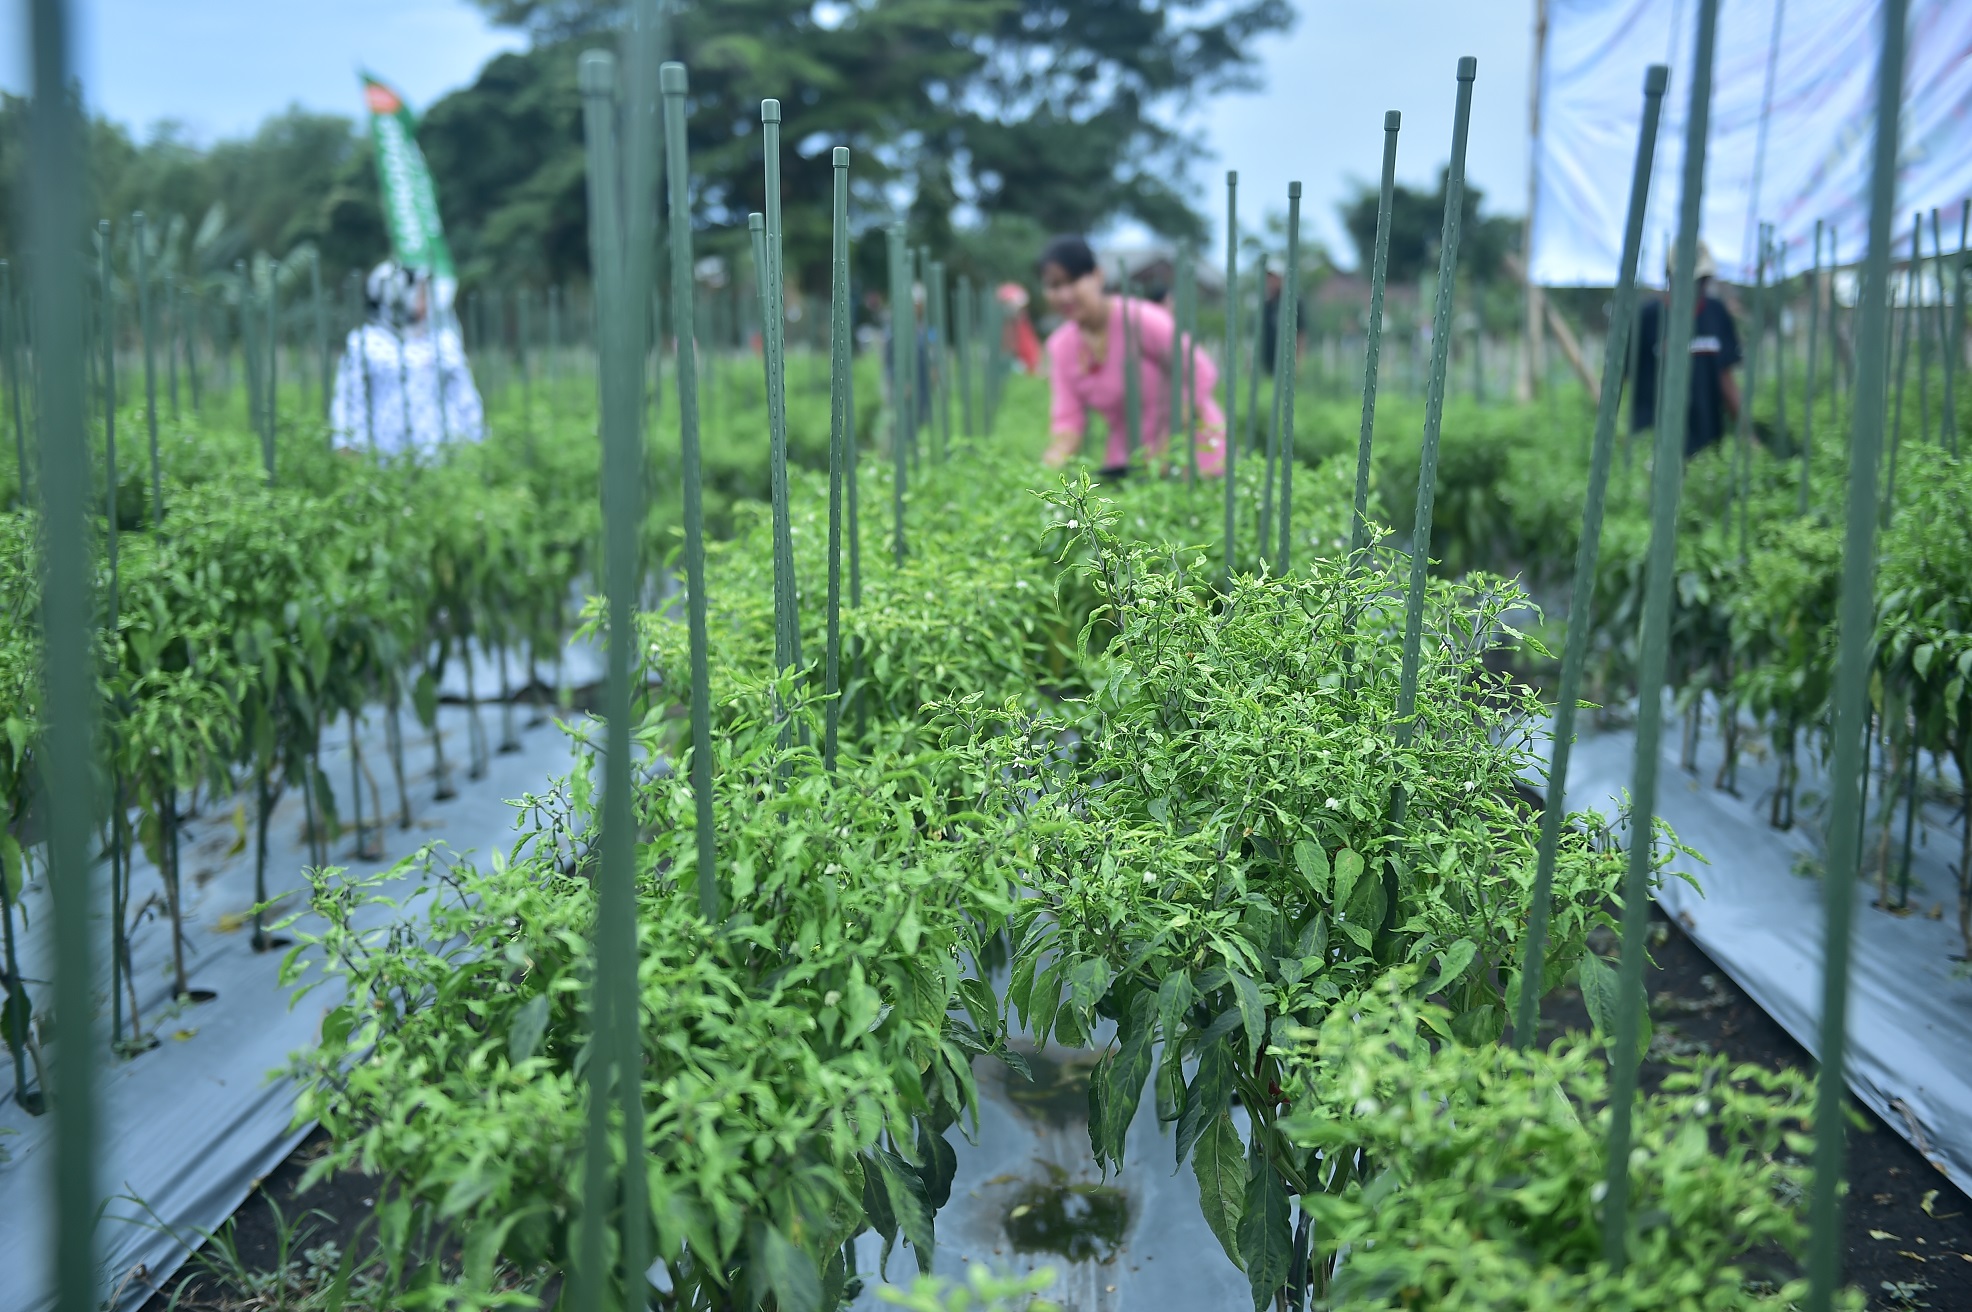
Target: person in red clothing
{"points": [[1017, 337], [1085, 356]]}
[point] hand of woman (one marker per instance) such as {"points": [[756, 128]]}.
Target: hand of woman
{"points": [[1060, 450]]}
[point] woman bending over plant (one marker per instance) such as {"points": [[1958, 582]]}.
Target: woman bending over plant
{"points": [[1100, 335]]}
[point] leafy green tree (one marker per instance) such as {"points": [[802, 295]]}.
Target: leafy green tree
{"points": [[1417, 220]]}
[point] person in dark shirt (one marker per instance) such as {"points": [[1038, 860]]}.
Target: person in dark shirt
{"points": [[1714, 354], [1270, 325]]}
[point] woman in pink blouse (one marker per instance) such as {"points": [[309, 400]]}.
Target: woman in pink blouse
{"points": [[1085, 358]]}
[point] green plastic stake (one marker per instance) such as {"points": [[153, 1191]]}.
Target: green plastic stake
{"points": [[1187, 299], [902, 366], [324, 362], [1852, 674], [1948, 413], [1909, 318], [107, 290], [1780, 344], [1743, 465], [1622, 314], [68, 757], [1290, 327], [614, 1010], [678, 167], [1251, 436], [1668, 483], [1427, 473], [8, 318], [1231, 370], [850, 458], [1132, 380], [1379, 268], [274, 358], [940, 352], [1273, 428], [964, 324], [145, 328], [774, 318], [839, 440], [1814, 363], [1434, 415]]}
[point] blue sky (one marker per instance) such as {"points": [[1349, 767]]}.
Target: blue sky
{"points": [[220, 66]]}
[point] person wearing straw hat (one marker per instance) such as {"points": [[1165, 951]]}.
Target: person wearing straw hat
{"points": [[1085, 359], [403, 384], [1714, 354]]}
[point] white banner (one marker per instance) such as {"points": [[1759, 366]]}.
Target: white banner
{"points": [[1815, 164]]}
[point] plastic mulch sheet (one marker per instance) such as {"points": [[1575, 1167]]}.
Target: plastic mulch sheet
{"points": [[188, 1127], [1760, 917]]}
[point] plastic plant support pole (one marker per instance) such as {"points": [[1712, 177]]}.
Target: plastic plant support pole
{"points": [[1622, 315], [643, 45], [145, 328], [324, 362], [273, 389], [1814, 352], [900, 387], [1947, 414], [9, 319], [1290, 327], [1909, 322], [1133, 433], [1188, 346], [1668, 482], [1273, 436], [839, 439], [1855, 642], [171, 326], [614, 1009], [851, 456], [774, 348], [1434, 415], [68, 757], [1373, 335], [1743, 464], [1923, 333], [964, 323], [1780, 343], [678, 170], [1834, 323], [107, 289], [1259, 349], [917, 275], [1230, 371], [756, 227], [940, 356]]}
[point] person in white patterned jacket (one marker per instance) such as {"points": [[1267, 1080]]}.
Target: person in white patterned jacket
{"points": [[403, 384]]}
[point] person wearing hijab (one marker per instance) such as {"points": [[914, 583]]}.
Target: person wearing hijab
{"points": [[1085, 357], [403, 384]]}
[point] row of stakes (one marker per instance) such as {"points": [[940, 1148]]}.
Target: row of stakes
{"points": [[620, 173]]}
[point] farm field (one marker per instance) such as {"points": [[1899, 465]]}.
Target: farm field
{"points": [[737, 828]]}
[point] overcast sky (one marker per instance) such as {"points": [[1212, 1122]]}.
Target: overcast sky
{"points": [[220, 66]]}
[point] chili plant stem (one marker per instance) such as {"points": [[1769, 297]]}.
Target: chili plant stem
{"points": [[1373, 335], [1622, 312], [1852, 675], [1668, 481], [677, 167]]}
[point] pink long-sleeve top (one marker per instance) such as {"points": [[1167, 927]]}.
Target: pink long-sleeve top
{"points": [[1082, 383]]}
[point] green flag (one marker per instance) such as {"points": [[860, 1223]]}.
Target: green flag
{"points": [[410, 204]]}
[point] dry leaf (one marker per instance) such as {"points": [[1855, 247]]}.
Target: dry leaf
{"points": [[1882, 1234], [182, 1035]]}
